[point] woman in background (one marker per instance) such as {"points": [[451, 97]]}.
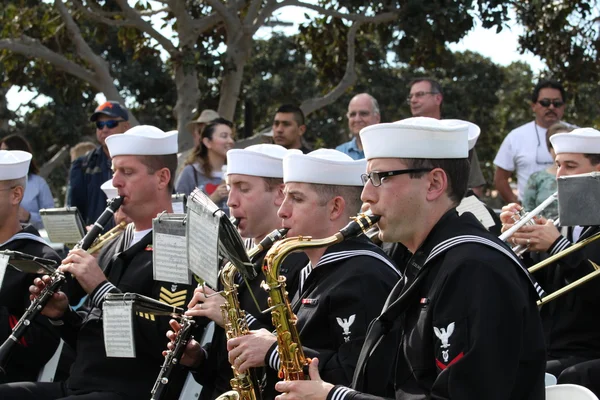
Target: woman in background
{"points": [[542, 184], [37, 193], [205, 166]]}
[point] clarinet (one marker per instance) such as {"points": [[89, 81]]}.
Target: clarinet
{"points": [[56, 281], [173, 356]]}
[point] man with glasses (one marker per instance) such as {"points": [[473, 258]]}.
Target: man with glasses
{"points": [[523, 150], [363, 111], [425, 100], [463, 324], [90, 171]]}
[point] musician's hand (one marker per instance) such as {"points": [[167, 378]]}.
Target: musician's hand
{"points": [[57, 305], [193, 355], [210, 307], [85, 268], [314, 389], [509, 215], [249, 351], [537, 237]]}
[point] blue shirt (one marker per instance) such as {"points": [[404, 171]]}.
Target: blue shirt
{"points": [[351, 148], [37, 195]]}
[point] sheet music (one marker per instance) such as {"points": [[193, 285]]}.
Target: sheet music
{"points": [[63, 226], [3, 265], [473, 205], [178, 207], [117, 323], [170, 262], [202, 242]]}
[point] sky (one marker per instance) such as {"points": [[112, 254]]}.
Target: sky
{"points": [[501, 48]]}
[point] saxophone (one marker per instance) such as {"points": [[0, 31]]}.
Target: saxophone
{"points": [[235, 318], [293, 362]]}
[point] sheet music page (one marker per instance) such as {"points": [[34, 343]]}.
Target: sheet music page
{"points": [[169, 256], [117, 323], [202, 242], [3, 265], [62, 227], [473, 205], [178, 207]]}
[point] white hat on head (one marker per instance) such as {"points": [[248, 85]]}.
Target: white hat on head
{"points": [[418, 137], [142, 140], [14, 164], [474, 130], [109, 190], [265, 160], [580, 140], [324, 166]]}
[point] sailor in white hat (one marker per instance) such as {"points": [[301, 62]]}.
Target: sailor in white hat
{"points": [[467, 305], [572, 327], [322, 191], [255, 180], [40, 340], [143, 161]]}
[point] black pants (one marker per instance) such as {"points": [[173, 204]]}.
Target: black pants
{"points": [[585, 374], [51, 391]]}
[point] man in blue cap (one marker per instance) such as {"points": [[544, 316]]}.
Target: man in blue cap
{"points": [[90, 171]]}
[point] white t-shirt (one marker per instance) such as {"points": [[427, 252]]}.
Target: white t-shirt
{"points": [[524, 149], [139, 235]]}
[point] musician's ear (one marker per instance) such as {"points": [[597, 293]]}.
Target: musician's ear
{"points": [[17, 195], [164, 177], [438, 183]]}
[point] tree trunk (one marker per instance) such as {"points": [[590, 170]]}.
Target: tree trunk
{"points": [[236, 57], [188, 94], [4, 111]]}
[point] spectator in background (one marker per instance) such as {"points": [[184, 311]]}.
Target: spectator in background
{"points": [[523, 151], [288, 128], [425, 100], [196, 127], [204, 167], [90, 171], [542, 184], [37, 193], [363, 110]]}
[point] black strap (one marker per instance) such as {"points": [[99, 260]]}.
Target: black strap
{"points": [[382, 325]]}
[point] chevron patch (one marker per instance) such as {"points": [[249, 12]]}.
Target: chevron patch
{"points": [[146, 315], [175, 299]]}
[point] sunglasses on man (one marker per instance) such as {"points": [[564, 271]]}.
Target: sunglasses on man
{"points": [[110, 124], [546, 103]]}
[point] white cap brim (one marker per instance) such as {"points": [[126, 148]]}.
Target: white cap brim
{"points": [[109, 190], [142, 140], [14, 164], [419, 137], [581, 140], [324, 166], [264, 160]]}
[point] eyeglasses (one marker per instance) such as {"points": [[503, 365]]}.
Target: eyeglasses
{"points": [[362, 114], [418, 95], [377, 177], [547, 102], [110, 124]]}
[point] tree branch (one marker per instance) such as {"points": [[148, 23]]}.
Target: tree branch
{"points": [[230, 19], [144, 26], [33, 48], [104, 17], [349, 78]]}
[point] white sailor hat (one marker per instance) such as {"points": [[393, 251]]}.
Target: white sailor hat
{"points": [[14, 164], [265, 160], [109, 190], [142, 140], [474, 130], [580, 140], [418, 137], [324, 166]]}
